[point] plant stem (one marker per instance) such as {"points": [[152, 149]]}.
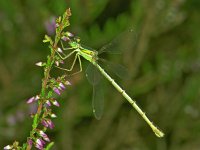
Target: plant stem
{"points": [[47, 69]]}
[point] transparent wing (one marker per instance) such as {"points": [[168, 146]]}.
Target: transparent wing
{"points": [[94, 78], [119, 70], [123, 42], [93, 74], [87, 47], [98, 101]]}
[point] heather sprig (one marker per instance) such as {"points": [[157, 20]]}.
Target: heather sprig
{"points": [[51, 88]]}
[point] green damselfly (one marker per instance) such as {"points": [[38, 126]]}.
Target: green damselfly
{"points": [[92, 56]]}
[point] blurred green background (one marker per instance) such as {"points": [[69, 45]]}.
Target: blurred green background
{"points": [[163, 62]]}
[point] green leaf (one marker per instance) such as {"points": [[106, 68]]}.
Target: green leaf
{"points": [[50, 93], [24, 146], [58, 20], [47, 39], [35, 121], [49, 146]]}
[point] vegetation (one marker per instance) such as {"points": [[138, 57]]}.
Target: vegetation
{"points": [[163, 64]]}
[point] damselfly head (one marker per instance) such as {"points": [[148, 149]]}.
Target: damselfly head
{"points": [[74, 44]]}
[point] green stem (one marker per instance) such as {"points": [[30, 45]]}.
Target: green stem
{"points": [[47, 69]]}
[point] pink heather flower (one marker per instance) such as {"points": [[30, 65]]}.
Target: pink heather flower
{"points": [[55, 102], [48, 103], [50, 124], [64, 38], [39, 144], [32, 99], [53, 116], [37, 97], [67, 83], [44, 136], [59, 50], [30, 142], [40, 64], [7, 147], [56, 90], [44, 123], [61, 61], [61, 86], [57, 63], [69, 34], [42, 133]]}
